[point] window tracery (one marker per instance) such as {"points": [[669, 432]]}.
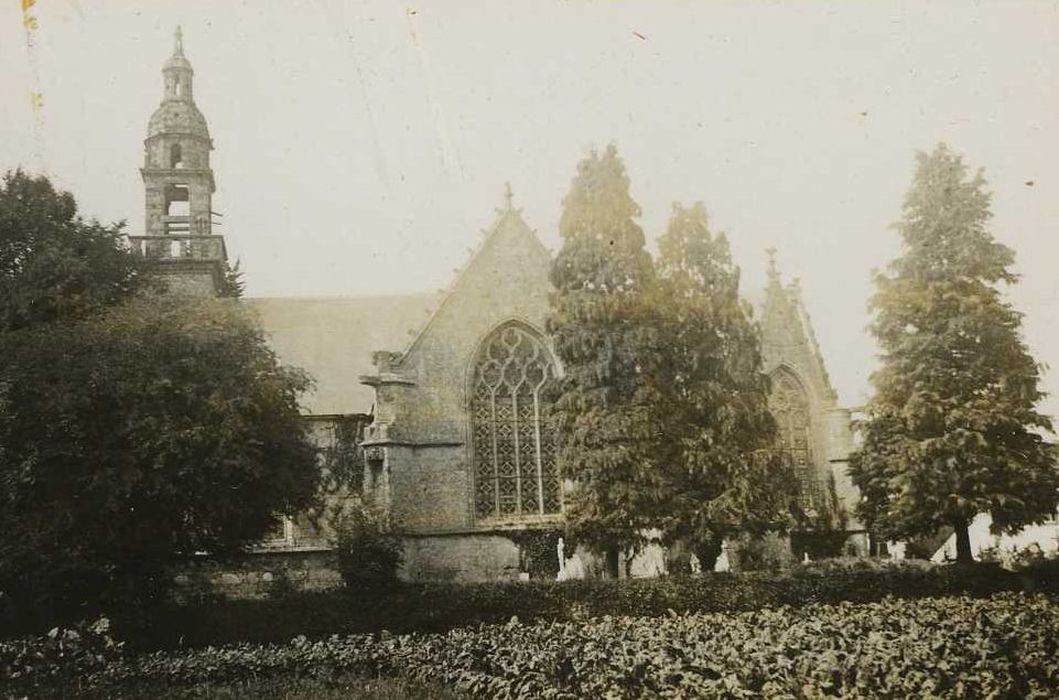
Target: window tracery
{"points": [[789, 405], [513, 443]]}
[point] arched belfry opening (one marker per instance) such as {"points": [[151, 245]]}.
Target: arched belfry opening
{"points": [[513, 442]]}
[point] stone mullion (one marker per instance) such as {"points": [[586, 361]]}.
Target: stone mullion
{"points": [[496, 463], [537, 446], [515, 450]]}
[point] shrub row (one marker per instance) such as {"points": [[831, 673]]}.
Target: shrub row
{"points": [[438, 608], [59, 657], [1005, 646]]}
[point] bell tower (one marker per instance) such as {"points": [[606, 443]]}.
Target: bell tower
{"points": [[178, 187]]}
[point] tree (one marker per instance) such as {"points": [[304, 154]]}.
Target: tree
{"points": [[952, 429], [53, 264], [232, 284], [158, 428], [600, 323], [134, 426], [719, 478]]}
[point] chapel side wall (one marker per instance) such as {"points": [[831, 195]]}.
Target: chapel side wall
{"points": [[428, 487]]}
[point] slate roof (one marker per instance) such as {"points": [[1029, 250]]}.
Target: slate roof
{"points": [[333, 338]]}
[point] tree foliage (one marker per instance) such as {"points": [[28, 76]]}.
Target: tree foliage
{"points": [[714, 395], [53, 264], [232, 283], [134, 427], [159, 427], [602, 329], [368, 551], [952, 429]]}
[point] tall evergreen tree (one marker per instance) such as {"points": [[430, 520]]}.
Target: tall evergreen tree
{"points": [[952, 429], [603, 333], [715, 395]]}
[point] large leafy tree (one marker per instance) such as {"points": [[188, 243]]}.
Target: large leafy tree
{"points": [[719, 477], [134, 427], [53, 263], [952, 429], [603, 333]]}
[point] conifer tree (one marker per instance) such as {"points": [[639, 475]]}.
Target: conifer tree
{"points": [[714, 394], [952, 429], [602, 329]]}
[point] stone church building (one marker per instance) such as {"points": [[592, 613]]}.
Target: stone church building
{"points": [[448, 392]]}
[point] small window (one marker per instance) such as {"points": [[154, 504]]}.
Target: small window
{"points": [[179, 88], [176, 156]]}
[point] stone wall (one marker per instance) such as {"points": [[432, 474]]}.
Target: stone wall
{"points": [[192, 279], [460, 558], [256, 576]]}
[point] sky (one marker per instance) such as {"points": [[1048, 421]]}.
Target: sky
{"points": [[361, 148]]}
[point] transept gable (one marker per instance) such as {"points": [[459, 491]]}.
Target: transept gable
{"points": [[787, 338]]}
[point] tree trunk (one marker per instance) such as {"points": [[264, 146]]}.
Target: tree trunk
{"points": [[708, 551], [613, 562], [963, 544]]}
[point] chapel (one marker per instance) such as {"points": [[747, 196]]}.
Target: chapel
{"points": [[447, 394]]}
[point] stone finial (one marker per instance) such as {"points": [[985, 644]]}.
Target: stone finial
{"points": [[773, 272], [509, 197], [178, 42]]}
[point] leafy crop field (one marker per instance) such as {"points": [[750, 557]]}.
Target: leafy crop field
{"points": [[1006, 646]]}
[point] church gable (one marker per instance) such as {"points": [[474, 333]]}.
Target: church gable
{"points": [[505, 280], [813, 431], [787, 339], [420, 445]]}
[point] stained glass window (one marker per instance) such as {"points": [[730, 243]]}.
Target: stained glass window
{"points": [[514, 446], [790, 407]]}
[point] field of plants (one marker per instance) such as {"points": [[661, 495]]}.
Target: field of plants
{"points": [[1005, 646]]}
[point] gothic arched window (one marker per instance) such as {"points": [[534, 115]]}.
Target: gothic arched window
{"points": [[789, 405], [513, 444]]}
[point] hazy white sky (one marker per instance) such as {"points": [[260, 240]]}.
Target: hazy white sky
{"points": [[362, 147]]}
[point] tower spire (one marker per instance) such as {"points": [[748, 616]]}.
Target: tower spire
{"points": [[178, 185], [509, 197]]}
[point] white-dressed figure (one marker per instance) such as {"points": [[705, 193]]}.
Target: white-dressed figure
{"points": [[560, 552], [722, 563]]}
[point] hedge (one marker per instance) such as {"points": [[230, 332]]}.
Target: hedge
{"points": [[441, 607]]}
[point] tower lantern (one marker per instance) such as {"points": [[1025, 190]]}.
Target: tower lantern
{"points": [[179, 186]]}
